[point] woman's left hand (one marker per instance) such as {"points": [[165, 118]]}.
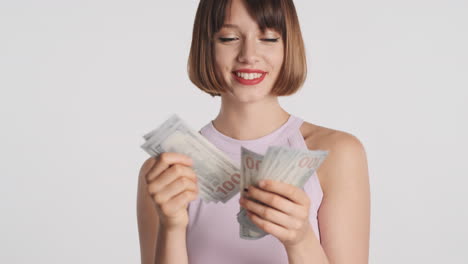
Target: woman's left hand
{"points": [[286, 215]]}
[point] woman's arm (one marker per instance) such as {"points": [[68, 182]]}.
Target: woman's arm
{"points": [[344, 214], [310, 251], [171, 247], [157, 244]]}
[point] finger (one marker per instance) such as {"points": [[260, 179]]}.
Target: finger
{"points": [[170, 175], [180, 185], [164, 161], [277, 202], [271, 214], [276, 230], [293, 193], [178, 202]]}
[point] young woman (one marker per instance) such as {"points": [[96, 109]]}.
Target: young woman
{"points": [[249, 52]]}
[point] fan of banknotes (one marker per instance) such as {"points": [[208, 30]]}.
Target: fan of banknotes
{"points": [[292, 166], [219, 179]]}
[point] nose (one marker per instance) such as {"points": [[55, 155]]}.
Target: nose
{"points": [[248, 52]]}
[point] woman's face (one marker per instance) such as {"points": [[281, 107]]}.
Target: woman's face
{"points": [[248, 60]]}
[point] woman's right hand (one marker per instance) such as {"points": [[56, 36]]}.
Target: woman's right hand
{"points": [[172, 184]]}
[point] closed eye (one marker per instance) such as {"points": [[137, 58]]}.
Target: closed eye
{"points": [[226, 39], [271, 40], [231, 39]]}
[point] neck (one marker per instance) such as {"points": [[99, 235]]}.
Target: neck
{"points": [[247, 121]]}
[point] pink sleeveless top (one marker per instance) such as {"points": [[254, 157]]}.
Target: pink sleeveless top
{"points": [[213, 230]]}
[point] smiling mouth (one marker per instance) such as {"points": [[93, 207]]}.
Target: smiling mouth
{"points": [[249, 78]]}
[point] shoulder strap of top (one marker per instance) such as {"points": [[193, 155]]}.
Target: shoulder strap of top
{"points": [[295, 137]]}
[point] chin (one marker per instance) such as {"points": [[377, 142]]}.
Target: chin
{"points": [[248, 95]]}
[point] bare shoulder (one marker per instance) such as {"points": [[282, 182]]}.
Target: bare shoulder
{"points": [[344, 150], [344, 214], [320, 137]]}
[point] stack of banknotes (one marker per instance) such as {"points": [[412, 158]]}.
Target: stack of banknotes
{"points": [[219, 179], [292, 166]]}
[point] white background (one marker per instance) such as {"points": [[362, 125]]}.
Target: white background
{"points": [[82, 81]]}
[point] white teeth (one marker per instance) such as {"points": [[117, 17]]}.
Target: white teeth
{"points": [[248, 76]]}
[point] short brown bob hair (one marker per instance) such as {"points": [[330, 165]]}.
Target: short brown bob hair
{"points": [[274, 14]]}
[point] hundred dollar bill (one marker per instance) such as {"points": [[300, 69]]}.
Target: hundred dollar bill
{"points": [[218, 177], [247, 229], [292, 166], [250, 165]]}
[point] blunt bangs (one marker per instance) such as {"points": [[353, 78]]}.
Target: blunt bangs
{"points": [[267, 14]]}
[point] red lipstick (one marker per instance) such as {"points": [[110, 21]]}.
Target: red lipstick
{"points": [[249, 71], [249, 82]]}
